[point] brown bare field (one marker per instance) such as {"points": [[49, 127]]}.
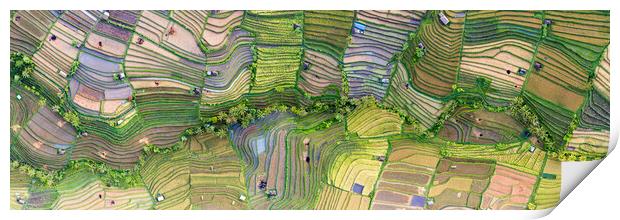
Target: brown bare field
{"points": [[455, 183], [113, 106], [509, 189], [548, 90], [152, 26], [145, 83], [323, 71], [491, 61], [86, 103], [560, 80], [110, 46], [192, 19], [218, 28], [45, 132], [459, 183], [183, 42]]}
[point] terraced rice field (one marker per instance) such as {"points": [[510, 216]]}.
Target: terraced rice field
{"points": [[322, 76], [496, 44], [230, 78], [290, 109], [327, 31], [406, 178], [276, 67], [82, 190], [548, 192], [459, 183], [481, 127], [436, 71], [382, 123], [425, 109], [367, 60]]}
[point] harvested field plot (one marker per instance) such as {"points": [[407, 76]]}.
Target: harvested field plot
{"points": [[406, 177], [509, 189], [459, 183], [304, 109]]}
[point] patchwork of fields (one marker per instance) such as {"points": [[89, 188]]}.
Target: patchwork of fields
{"points": [[210, 109]]}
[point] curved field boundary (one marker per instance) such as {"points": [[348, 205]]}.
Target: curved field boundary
{"points": [[493, 61], [560, 80], [516, 156], [169, 175], [55, 58], [39, 141], [262, 147], [152, 26], [81, 20], [322, 74], [589, 142], [352, 163], [601, 81], [555, 119], [19, 187], [94, 89], [274, 27], [367, 60], [374, 122], [194, 20], [488, 26], [583, 35], [328, 31], [151, 60], [216, 174], [406, 176], [436, 72], [305, 173], [481, 127], [276, 67], [237, 88], [218, 28], [111, 47], [29, 30], [596, 112], [230, 65], [125, 155], [423, 108], [23, 109], [82, 190]]}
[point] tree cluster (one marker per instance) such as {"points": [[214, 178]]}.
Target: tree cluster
{"points": [[22, 66], [526, 115]]}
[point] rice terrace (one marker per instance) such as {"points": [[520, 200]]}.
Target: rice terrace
{"points": [[209, 109]]}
